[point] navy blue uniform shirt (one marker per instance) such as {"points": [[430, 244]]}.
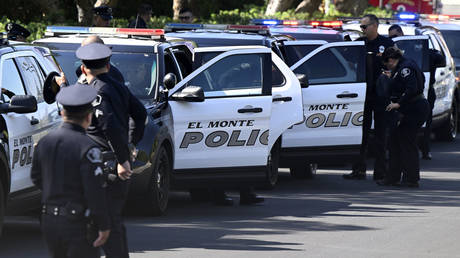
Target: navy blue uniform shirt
{"points": [[407, 82]]}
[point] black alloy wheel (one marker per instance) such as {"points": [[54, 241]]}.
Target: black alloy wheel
{"points": [[160, 182]]}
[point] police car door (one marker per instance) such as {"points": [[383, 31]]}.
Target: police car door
{"points": [[416, 48], [334, 100], [21, 72], [230, 127], [297, 49]]}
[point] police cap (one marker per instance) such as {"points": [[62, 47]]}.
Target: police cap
{"points": [[94, 55], [104, 11], [14, 30], [77, 98]]}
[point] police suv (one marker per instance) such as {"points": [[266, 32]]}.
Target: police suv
{"points": [[333, 93], [207, 127], [25, 118], [415, 44]]}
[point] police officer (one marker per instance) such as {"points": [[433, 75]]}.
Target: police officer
{"points": [[144, 14], [407, 91], [110, 128], [67, 167], [16, 32], [102, 16], [375, 46], [436, 59]]}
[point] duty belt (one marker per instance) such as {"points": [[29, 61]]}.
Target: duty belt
{"points": [[56, 210], [418, 97]]}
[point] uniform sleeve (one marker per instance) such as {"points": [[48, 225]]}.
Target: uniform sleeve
{"points": [[94, 187], [36, 172], [112, 127], [138, 114], [409, 80]]}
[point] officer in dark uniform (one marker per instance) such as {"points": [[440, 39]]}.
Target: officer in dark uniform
{"points": [[373, 106], [110, 128], [102, 16], [67, 167], [16, 32], [407, 98], [436, 59], [144, 14]]}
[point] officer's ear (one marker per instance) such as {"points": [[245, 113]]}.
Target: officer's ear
{"points": [[108, 66], [82, 67]]}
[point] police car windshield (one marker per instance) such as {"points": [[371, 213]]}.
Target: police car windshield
{"points": [[452, 38], [138, 69]]}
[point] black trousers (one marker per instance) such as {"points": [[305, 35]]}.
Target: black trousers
{"points": [[117, 244], [425, 146], [404, 156], [376, 112], [66, 238]]}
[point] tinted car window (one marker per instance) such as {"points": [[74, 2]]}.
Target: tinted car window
{"points": [[237, 72], [335, 65], [11, 80], [295, 53], [32, 76], [415, 50], [452, 38]]}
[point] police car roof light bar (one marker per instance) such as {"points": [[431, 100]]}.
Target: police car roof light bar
{"points": [[262, 29], [440, 17], [266, 22], [405, 16], [54, 30]]}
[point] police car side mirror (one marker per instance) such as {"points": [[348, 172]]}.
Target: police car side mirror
{"points": [[20, 104], [303, 79], [189, 94], [170, 81]]}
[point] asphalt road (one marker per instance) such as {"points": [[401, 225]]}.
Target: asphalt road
{"points": [[324, 217]]}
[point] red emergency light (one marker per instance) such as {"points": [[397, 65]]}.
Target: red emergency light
{"points": [[329, 24]]}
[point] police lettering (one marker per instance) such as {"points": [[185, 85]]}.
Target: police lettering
{"points": [[23, 156], [319, 119], [220, 138]]}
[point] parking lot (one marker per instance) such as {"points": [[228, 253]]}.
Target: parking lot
{"points": [[324, 217]]}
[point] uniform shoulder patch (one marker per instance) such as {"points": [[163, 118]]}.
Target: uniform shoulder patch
{"points": [[381, 49], [405, 72], [97, 101], [94, 155]]}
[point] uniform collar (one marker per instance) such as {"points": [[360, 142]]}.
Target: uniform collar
{"points": [[73, 126]]}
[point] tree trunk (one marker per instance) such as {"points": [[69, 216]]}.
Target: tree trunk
{"points": [[355, 7], [308, 6], [177, 6], [85, 11], [278, 6]]}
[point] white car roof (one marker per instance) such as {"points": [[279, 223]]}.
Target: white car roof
{"points": [[109, 40], [408, 29], [226, 48]]}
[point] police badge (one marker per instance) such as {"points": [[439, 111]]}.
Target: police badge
{"points": [[405, 72]]}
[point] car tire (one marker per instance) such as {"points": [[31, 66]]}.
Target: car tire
{"points": [[160, 182], [304, 172], [448, 131], [2, 206], [273, 164]]}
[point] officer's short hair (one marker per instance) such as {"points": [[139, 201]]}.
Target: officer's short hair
{"points": [[396, 27], [144, 9], [78, 116], [372, 18], [391, 52]]}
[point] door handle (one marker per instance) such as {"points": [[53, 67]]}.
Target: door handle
{"points": [[285, 99], [347, 95], [442, 73], [250, 110], [34, 121]]}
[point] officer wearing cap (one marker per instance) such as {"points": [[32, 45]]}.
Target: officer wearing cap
{"points": [[16, 32], [374, 106], [102, 16], [407, 83], [67, 167], [110, 127]]}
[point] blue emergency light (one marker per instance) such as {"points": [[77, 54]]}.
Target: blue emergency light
{"points": [[266, 22], [405, 16]]}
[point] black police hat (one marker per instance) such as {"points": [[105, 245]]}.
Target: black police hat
{"points": [[77, 98], [14, 30], [94, 55], [104, 11]]}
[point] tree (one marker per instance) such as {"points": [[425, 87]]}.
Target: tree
{"points": [[278, 6], [308, 6], [177, 6], [355, 7]]}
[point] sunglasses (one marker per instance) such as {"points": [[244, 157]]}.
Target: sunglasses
{"points": [[364, 26]]}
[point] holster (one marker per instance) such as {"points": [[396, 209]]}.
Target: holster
{"points": [[110, 165]]}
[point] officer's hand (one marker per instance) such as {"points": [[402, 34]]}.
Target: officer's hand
{"points": [[124, 170], [60, 80], [102, 238], [392, 106]]}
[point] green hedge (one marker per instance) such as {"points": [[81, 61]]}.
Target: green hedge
{"points": [[235, 16]]}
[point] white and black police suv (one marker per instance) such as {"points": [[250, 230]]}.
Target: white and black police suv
{"points": [[216, 126], [25, 118], [333, 98], [415, 44]]}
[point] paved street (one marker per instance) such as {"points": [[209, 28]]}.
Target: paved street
{"points": [[324, 217]]}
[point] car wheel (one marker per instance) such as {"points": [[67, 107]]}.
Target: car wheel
{"points": [[273, 164], [160, 182], [304, 172], [448, 131]]}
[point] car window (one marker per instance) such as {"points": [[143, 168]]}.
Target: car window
{"points": [[452, 39], [295, 53], [278, 78], [11, 80], [230, 75], [417, 51], [32, 76], [344, 64]]}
